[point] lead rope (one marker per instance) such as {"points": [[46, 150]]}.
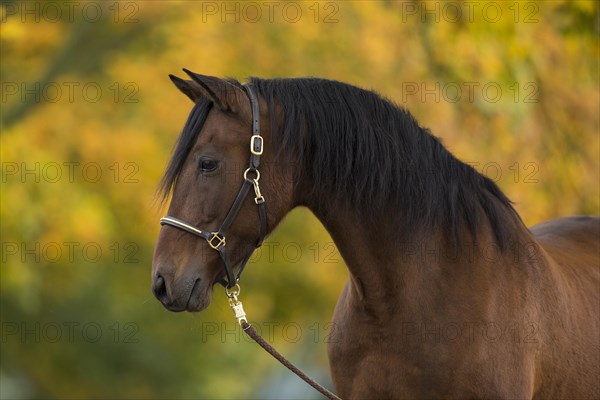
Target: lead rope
{"points": [[240, 315]]}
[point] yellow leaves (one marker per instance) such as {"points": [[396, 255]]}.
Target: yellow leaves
{"points": [[89, 220], [12, 30], [16, 32]]}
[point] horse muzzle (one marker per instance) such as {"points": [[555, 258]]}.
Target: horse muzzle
{"points": [[184, 294]]}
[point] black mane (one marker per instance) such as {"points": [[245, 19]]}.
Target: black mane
{"points": [[355, 146]]}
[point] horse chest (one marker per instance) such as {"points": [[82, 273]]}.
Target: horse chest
{"points": [[370, 358]]}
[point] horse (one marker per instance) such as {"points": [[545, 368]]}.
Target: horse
{"points": [[449, 294]]}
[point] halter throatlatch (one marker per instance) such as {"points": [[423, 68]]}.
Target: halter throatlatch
{"points": [[216, 240]]}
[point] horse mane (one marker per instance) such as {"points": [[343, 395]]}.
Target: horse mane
{"points": [[353, 145]]}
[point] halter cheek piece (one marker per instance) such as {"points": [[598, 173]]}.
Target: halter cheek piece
{"points": [[216, 240]]}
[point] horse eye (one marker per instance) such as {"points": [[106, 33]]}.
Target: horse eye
{"points": [[208, 165]]}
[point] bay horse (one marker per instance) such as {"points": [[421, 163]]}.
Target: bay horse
{"points": [[449, 294]]}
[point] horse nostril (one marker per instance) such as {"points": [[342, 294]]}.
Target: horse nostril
{"points": [[159, 288]]}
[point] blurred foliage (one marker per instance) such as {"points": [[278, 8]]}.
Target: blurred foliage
{"points": [[76, 324]]}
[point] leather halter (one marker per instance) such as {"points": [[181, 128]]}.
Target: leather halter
{"points": [[216, 240]]}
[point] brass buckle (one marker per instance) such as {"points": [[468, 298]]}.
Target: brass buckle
{"points": [[220, 241], [253, 149]]}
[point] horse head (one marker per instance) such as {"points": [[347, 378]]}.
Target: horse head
{"points": [[224, 168]]}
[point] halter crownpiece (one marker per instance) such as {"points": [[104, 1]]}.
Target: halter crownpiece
{"points": [[216, 240]]}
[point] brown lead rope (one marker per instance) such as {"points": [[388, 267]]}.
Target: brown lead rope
{"points": [[238, 310], [258, 339]]}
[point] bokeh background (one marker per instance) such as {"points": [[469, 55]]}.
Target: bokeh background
{"points": [[89, 117]]}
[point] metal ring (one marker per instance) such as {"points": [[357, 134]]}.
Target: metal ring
{"points": [[252, 170], [235, 291]]}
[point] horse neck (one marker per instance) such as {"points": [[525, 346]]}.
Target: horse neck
{"points": [[415, 272]]}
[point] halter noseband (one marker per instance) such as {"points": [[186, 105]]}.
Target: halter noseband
{"points": [[216, 240]]}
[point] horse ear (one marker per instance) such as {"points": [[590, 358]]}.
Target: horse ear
{"points": [[222, 93], [190, 88]]}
